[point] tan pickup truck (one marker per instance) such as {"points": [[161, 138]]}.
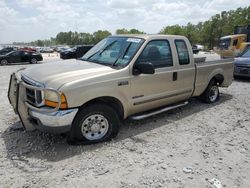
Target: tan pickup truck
{"points": [[134, 76]]}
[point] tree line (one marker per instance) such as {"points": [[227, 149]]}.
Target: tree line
{"points": [[206, 33]]}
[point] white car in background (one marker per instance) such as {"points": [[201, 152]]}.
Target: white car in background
{"points": [[46, 50]]}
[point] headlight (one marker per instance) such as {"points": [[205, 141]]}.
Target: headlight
{"points": [[51, 100]]}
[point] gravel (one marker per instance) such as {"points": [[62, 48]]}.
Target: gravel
{"points": [[212, 138]]}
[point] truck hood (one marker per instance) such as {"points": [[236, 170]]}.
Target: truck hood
{"points": [[56, 74]]}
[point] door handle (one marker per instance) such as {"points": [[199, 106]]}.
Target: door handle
{"points": [[175, 76]]}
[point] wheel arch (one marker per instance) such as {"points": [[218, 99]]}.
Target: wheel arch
{"points": [[217, 78], [115, 103]]}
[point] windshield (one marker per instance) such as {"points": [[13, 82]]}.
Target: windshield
{"points": [[246, 53], [225, 43], [114, 51]]}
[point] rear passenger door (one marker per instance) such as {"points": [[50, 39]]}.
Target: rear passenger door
{"points": [[25, 56], [154, 90], [185, 77]]}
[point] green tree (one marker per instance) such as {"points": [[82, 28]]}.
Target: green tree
{"points": [[131, 31], [99, 35]]}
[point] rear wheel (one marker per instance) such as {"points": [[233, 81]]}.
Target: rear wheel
{"points": [[4, 62], [33, 61], [93, 124], [211, 94]]}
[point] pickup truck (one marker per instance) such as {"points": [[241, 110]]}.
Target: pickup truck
{"points": [[123, 76]]}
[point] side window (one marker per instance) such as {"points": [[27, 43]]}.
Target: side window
{"points": [[158, 53], [17, 53], [182, 52], [235, 42]]}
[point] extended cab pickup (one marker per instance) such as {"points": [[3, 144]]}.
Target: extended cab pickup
{"points": [[124, 76]]}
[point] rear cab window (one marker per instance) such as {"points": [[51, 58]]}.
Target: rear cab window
{"points": [[157, 52], [182, 51]]}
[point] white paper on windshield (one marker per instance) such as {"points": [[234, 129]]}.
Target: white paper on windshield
{"points": [[133, 40]]}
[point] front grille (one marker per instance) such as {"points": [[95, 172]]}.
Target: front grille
{"points": [[31, 96], [34, 97]]}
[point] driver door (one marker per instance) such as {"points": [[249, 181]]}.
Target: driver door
{"points": [[150, 91]]}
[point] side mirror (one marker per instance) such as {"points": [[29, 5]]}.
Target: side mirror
{"points": [[144, 68]]}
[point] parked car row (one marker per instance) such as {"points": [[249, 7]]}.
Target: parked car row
{"points": [[75, 52], [45, 50]]}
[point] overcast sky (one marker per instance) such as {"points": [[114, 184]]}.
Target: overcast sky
{"points": [[27, 20]]}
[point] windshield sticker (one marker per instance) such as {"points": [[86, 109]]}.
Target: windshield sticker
{"points": [[133, 40]]}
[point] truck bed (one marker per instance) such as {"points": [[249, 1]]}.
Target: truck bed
{"points": [[207, 70]]}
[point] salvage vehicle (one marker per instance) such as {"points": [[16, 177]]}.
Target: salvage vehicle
{"points": [[242, 64], [124, 76], [233, 45], [19, 57], [75, 52]]}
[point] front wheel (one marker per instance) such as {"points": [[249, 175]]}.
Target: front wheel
{"points": [[93, 124], [4, 62], [211, 94]]}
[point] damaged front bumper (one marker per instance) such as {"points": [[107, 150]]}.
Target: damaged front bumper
{"points": [[43, 118]]}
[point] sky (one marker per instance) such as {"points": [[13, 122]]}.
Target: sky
{"points": [[29, 20]]}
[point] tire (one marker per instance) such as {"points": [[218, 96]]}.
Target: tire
{"points": [[33, 61], [4, 62], [211, 94], [93, 124]]}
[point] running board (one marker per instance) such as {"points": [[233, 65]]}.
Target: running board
{"points": [[146, 115]]}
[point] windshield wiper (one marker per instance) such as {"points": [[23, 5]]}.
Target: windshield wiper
{"points": [[122, 55], [101, 51]]}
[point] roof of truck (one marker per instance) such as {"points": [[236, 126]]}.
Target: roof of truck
{"points": [[148, 36]]}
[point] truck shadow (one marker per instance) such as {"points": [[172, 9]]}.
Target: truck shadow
{"points": [[23, 148]]}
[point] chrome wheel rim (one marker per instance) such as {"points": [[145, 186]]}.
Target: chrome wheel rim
{"points": [[94, 127], [33, 60], [213, 94]]}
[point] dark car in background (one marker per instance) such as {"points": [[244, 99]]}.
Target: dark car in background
{"points": [[7, 50], [242, 64], [75, 52], [20, 56]]}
